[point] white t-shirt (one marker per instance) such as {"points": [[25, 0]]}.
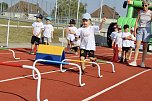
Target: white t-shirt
{"points": [[87, 39], [70, 36], [126, 43], [132, 40], [113, 35], [38, 26], [48, 29], [118, 39]]}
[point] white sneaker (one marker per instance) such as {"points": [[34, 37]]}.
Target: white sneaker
{"points": [[142, 64], [133, 63]]}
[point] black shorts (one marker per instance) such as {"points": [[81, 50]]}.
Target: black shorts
{"points": [[85, 53], [35, 40], [126, 49]]}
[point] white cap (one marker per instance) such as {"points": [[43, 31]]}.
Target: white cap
{"points": [[86, 16]]}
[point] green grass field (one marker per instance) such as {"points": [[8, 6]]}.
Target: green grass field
{"points": [[21, 35]]}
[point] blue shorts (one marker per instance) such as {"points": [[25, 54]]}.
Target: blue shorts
{"points": [[143, 34]]}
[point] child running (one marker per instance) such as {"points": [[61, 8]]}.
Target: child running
{"points": [[87, 44], [126, 37], [48, 31], [37, 30]]}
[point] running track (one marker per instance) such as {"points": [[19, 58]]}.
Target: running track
{"points": [[126, 84]]}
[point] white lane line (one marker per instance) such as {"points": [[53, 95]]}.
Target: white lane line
{"points": [[111, 87], [16, 78], [16, 61], [21, 77]]}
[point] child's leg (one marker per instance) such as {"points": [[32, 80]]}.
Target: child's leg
{"points": [[92, 57], [82, 63], [49, 41], [69, 45], [119, 53], [37, 43], [33, 43], [130, 53], [83, 54], [32, 47], [124, 56]]}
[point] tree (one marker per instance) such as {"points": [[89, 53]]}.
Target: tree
{"points": [[68, 7], [3, 6]]}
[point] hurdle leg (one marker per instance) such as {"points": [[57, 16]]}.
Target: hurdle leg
{"points": [[39, 79], [113, 67], [42, 60], [80, 71], [13, 54]]}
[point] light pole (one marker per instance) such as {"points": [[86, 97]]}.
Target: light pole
{"points": [[78, 11], [101, 9], [2, 7], [56, 6], [69, 10]]}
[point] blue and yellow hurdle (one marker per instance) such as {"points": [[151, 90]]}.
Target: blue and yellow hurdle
{"points": [[49, 52]]}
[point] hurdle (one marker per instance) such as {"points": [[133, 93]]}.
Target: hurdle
{"points": [[61, 63], [49, 52], [14, 56], [61, 67], [35, 70], [107, 62]]}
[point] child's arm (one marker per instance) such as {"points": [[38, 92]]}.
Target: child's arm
{"points": [[129, 38], [33, 30], [67, 30], [52, 35], [136, 25], [113, 42], [39, 32], [101, 24]]}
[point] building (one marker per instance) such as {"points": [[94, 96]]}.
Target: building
{"points": [[24, 10], [107, 12]]}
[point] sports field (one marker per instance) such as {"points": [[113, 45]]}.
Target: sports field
{"points": [[127, 83]]}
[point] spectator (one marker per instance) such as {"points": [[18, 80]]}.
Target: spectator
{"points": [[143, 33], [126, 37], [48, 31], [37, 30]]}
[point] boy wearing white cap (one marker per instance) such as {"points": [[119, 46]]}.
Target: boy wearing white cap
{"points": [[48, 31], [87, 44]]}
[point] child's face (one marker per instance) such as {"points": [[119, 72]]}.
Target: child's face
{"points": [[38, 19], [71, 25], [115, 29], [126, 29], [48, 21], [86, 22], [119, 30]]}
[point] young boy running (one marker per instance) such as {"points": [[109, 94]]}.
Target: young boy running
{"points": [[37, 30], [87, 39]]}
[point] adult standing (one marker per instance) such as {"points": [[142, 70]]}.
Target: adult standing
{"points": [[143, 23]]}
